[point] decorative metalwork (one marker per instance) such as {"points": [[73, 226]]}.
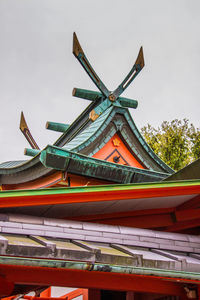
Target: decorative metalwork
{"points": [[116, 142], [26, 132], [107, 98]]}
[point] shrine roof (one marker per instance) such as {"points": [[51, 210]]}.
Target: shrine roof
{"points": [[95, 127], [155, 169], [73, 151], [73, 245], [189, 172], [12, 164]]}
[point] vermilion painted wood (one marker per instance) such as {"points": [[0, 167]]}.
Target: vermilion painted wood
{"points": [[68, 296], [46, 293], [106, 150], [178, 227], [76, 293], [6, 286], [144, 219], [199, 292], [55, 180], [149, 221], [192, 203], [94, 294], [95, 195], [152, 218], [118, 215], [41, 298], [95, 280], [76, 180], [187, 214], [45, 182]]}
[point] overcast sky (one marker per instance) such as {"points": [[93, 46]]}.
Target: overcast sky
{"points": [[38, 70]]}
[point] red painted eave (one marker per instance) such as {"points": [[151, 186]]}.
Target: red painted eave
{"points": [[21, 198]]}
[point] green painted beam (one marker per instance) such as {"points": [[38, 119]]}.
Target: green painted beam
{"points": [[126, 102], [61, 159], [99, 188], [60, 127], [31, 152], [93, 96], [74, 265], [87, 94]]}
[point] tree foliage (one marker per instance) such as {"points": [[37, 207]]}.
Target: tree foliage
{"points": [[177, 142]]}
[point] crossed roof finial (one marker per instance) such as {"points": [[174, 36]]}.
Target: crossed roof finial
{"points": [[102, 100], [106, 95]]}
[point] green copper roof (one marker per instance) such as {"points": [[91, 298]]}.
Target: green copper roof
{"points": [[11, 164], [96, 267], [64, 160], [84, 137], [87, 166], [192, 171], [94, 129]]}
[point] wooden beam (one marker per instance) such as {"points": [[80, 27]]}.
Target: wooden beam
{"points": [[183, 225], [93, 194], [118, 215], [192, 203], [147, 221], [68, 296], [130, 296], [46, 293], [6, 287], [41, 298], [95, 280], [187, 214], [94, 294], [76, 293], [152, 218]]}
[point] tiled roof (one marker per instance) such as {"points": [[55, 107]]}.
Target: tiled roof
{"points": [[11, 164], [25, 236], [91, 132], [191, 171], [83, 139], [92, 129]]}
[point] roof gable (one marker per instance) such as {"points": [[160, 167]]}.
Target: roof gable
{"points": [[105, 117], [116, 151], [114, 120]]}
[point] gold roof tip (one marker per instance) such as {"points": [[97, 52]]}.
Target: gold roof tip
{"points": [[23, 124], [76, 45], [140, 58], [26, 132]]}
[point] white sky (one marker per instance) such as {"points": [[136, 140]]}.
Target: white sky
{"points": [[38, 70]]}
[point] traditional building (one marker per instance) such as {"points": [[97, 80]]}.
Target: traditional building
{"points": [[99, 210]]}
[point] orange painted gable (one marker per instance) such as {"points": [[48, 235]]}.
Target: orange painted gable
{"points": [[115, 151]]}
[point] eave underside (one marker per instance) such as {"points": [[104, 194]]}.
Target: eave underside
{"points": [[165, 206]]}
